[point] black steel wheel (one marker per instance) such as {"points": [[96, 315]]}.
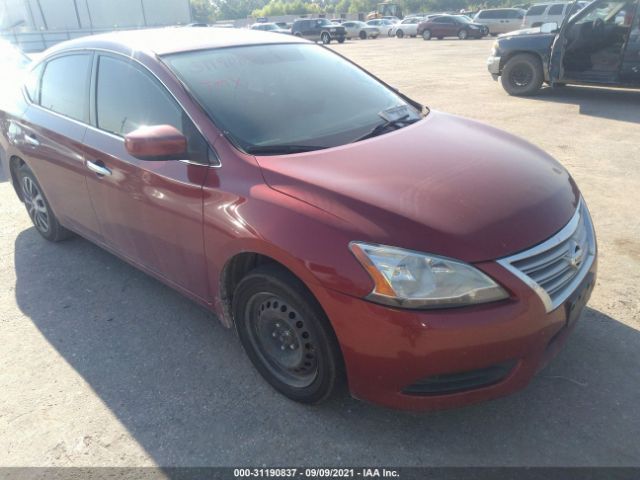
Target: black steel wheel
{"points": [[38, 207], [363, 35], [286, 335], [522, 75]]}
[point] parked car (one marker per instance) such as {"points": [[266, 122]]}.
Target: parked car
{"points": [[500, 20], [408, 26], [318, 29], [383, 24], [392, 19], [597, 46], [236, 169], [542, 13], [269, 27], [357, 29], [451, 26]]}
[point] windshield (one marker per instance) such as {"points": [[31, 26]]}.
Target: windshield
{"points": [[285, 94]]}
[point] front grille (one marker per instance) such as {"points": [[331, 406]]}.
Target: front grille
{"points": [[555, 268]]}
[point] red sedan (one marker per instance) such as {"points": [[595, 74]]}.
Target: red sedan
{"points": [[442, 26], [340, 227]]}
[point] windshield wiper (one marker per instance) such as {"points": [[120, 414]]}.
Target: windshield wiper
{"points": [[399, 122], [281, 149]]}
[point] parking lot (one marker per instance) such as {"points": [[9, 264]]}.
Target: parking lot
{"points": [[102, 365]]}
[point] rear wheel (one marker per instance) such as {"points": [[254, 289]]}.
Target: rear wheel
{"points": [[399, 34], [38, 207], [522, 75], [341, 40], [326, 38], [363, 35], [426, 35], [287, 335], [463, 34]]}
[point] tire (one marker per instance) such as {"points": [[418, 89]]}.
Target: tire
{"points": [[426, 35], [341, 40], [297, 34], [440, 38], [38, 207], [325, 38], [493, 34], [399, 34], [363, 35], [522, 75], [463, 34], [287, 336]]}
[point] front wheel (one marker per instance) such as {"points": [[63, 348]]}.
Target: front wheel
{"points": [[426, 35], [399, 34], [38, 207], [522, 75], [326, 38], [287, 335], [363, 35], [463, 34]]}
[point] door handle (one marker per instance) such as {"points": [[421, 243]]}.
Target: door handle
{"points": [[31, 140], [97, 168]]}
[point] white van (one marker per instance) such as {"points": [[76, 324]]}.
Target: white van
{"points": [[500, 20], [542, 13]]}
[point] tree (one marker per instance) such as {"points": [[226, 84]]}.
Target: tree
{"points": [[202, 11]]}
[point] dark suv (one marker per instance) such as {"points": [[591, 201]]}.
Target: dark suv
{"points": [[599, 45], [318, 29]]}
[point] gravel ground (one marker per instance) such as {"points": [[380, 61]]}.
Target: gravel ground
{"points": [[102, 365]]}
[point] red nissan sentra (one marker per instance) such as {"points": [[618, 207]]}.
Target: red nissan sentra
{"points": [[346, 232]]}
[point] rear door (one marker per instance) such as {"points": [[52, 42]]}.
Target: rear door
{"points": [[53, 130], [149, 211]]}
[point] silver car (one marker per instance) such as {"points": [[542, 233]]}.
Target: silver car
{"points": [[500, 20], [357, 29]]}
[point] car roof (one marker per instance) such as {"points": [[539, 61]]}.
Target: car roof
{"points": [[163, 41]]}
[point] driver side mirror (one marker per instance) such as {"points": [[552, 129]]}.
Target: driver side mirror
{"points": [[156, 142], [549, 27]]}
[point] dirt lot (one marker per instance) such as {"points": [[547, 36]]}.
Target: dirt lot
{"points": [[101, 365]]}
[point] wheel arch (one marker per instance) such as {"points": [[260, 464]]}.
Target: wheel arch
{"points": [[15, 163]]}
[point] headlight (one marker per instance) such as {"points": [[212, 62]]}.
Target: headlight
{"points": [[494, 49], [409, 279]]}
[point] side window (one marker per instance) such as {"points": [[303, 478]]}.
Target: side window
{"points": [[501, 14], [514, 14], [557, 9], [32, 84], [143, 101], [536, 10], [65, 86]]}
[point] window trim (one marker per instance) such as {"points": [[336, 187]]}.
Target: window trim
{"points": [[95, 52]]}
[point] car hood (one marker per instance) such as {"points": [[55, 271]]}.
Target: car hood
{"points": [[444, 185], [526, 31]]}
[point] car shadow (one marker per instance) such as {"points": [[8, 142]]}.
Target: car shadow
{"points": [[614, 104], [181, 385]]}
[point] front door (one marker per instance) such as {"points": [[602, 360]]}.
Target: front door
{"points": [[590, 47], [630, 73], [149, 211]]}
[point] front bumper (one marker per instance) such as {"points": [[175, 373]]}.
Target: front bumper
{"points": [[388, 350], [493, 65]]}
